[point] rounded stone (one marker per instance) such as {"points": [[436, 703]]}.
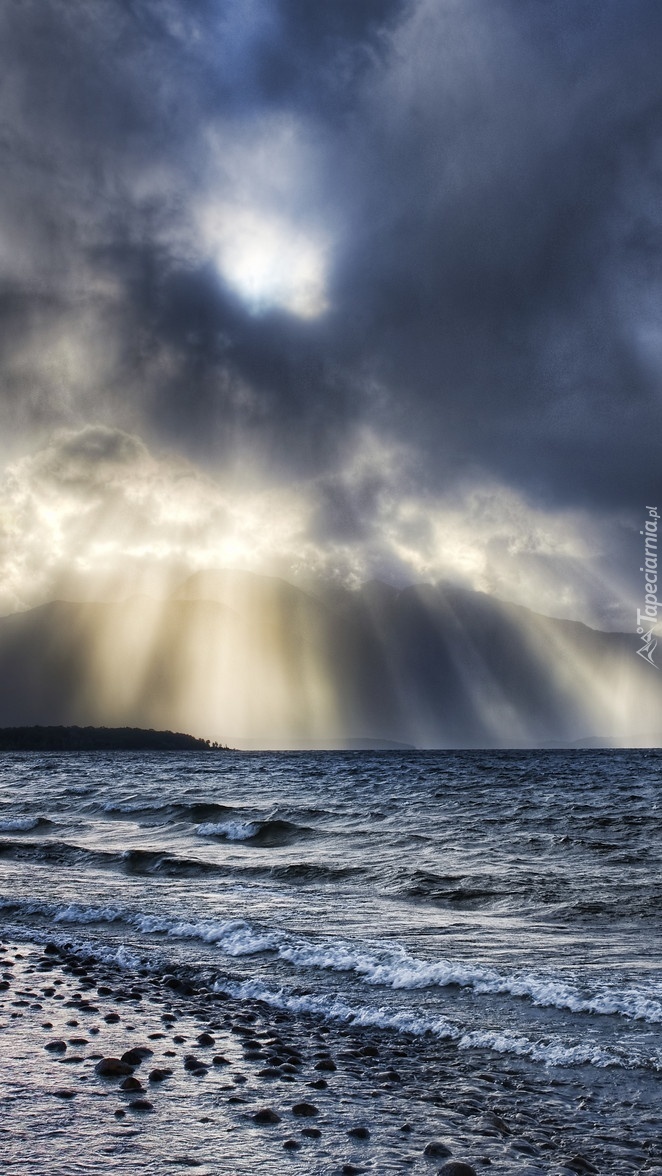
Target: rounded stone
{"points": [[305, 1110], [266, 1116], [141, 1104], [112, 1068], [135, 1057], [437, 1150]]}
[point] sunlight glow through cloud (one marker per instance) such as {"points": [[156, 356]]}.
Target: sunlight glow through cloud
{"points": [[268, 262], [96, 505]]}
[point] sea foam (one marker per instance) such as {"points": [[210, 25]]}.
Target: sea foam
{"points": [[20, 824], [387, 967], [231, 830]]}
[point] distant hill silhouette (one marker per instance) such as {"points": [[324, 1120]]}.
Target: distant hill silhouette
{"points": [[97, 739], [239, 656]]}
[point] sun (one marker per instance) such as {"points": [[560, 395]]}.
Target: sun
{"points": [[269, 262]]}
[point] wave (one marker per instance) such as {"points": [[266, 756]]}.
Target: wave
{"points": [[239, 938], [232, 830], [215, 821], [194, 813], [143, 862], [23, 824], [445, 888], [52, 851], [268, 833], [551, 1052], [387, 967], [154, 863], [314, 872]]}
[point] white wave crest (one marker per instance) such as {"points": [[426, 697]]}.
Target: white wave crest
{"points": [[386, 967], [112, 806], [19, 824], [395, 968], [231, 830], [235, 937], [82, 915], [552, 1052]]}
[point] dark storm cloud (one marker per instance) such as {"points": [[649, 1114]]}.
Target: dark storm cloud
{"points": [[509, 246], [491, 172], [107, 111]]}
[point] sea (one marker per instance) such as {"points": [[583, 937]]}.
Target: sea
{"points": [[506, 902]]}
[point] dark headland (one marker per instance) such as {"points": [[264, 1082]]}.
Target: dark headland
{"points": [[99, 739]]}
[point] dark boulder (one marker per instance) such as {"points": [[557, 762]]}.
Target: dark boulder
{"points": [[437, 1151], [305, 1110], [266, 1116], [112, 1068]]}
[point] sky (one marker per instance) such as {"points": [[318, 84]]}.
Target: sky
{"points": [[350, 290]]}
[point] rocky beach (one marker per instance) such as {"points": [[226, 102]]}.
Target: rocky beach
{"points": [[104, 1071]]}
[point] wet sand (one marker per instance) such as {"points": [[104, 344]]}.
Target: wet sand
{"points": [[221, 1086]]}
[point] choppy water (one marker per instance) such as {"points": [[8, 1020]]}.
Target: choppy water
{"points": [[508, 900]]}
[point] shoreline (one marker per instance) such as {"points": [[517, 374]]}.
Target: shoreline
{"points": [[228, 1075]]}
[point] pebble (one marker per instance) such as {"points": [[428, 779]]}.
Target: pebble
{"points": [[64, 1093], [112, 1068], [56, 1046], [135, 1057], [141, 1104], [361, 1133], [437, 1150], [305, 1110], [265, 1116], [291, 1145], [192, 1063], [159, 1074], [457, 1168], [131, 1084]]}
